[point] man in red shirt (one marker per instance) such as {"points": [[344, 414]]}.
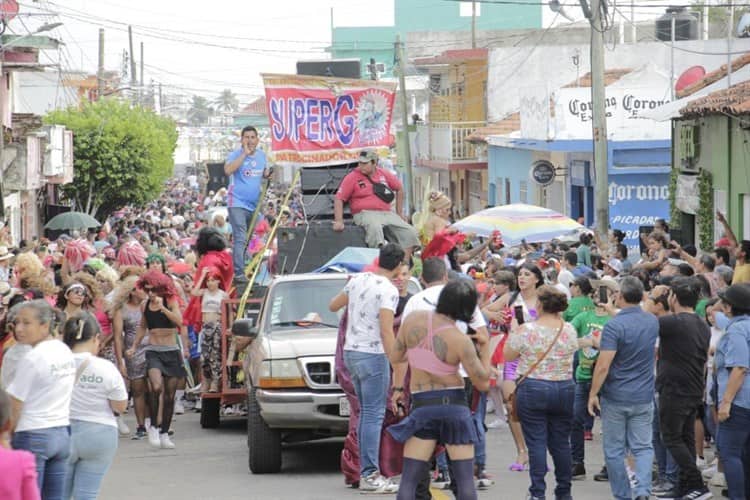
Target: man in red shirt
{"points": [[371, 211]]}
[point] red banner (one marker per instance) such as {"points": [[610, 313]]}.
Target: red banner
{"points": [[320, 120]]}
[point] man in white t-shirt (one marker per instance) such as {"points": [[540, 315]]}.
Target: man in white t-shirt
{"points": [[371, 301]]}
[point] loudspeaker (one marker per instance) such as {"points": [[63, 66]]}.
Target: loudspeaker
{"points": [[323, 179], [306, 248], [320, 206], [343, 68], [217, 179]]}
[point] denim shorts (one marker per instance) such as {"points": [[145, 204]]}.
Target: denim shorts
{"points": [[444, 423]]}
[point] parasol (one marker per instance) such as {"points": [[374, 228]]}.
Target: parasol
{"points": [[519, 222], [71, 220]]}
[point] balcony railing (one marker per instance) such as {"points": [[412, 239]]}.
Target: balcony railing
{"points": [[446, 142]]}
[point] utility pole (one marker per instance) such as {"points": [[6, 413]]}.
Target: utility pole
{"points": [[100, 69], [599, 121], [730, 28], [405, 120], [473, 24], [133, 77], [671, 71], [141, 90]]}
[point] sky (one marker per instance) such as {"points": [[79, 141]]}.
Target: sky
{"points": [[200, 47]]}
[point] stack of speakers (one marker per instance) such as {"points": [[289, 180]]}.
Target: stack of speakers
{"points": [[318, 187]]}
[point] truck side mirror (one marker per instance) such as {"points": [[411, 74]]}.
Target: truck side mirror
{"points": [[245, 328]]}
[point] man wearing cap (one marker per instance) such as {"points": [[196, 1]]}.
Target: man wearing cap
{"points": [[369, 190], [613, 267], [246, 167], [732, 365]]}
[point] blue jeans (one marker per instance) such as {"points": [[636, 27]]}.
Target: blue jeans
{"points": [[51, 448], [92, 450], [628, 427], [734, 446], [371, 376], [580, 418], [668, 469], [239, 219], [545, 409], [480, 447]]}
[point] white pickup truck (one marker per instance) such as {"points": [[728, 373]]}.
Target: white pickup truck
{"points": [[292, 391]]}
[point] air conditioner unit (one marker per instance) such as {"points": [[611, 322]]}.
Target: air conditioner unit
{"points": [[54, 161]]}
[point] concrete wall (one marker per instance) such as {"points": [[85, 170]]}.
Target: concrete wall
{"points": [[511, 69], [513, 165]]}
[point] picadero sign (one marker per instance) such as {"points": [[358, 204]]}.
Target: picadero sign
{"points": [[321, 120]]}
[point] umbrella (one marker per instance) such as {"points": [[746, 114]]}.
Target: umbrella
{"points": [[71, 220], [519, 222], [350, 259]]}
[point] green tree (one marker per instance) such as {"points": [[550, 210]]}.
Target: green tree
{"points": [[200, 111], [227, 101], [122, 155]]}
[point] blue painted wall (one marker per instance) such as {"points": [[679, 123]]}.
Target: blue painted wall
{"points": [[513, 164]]}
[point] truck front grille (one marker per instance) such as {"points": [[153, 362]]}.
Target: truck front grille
{"points": [[320, 372]]}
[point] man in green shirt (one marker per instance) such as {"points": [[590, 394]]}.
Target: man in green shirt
{"points": [[580, 298], [589, 325]]}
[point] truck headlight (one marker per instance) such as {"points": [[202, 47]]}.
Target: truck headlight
{"points": [[280, 374]]}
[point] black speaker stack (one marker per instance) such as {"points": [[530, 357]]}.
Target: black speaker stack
{"points": [[318, 186]]}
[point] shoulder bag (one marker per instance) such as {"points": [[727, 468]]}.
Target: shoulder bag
{"points": [[512, 407], [381, 190]]}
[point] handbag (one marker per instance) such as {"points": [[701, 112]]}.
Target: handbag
{"points": [[512, 407], [382, 191]]}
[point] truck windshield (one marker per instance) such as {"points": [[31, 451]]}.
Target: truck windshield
{"points": [[303, 303]]}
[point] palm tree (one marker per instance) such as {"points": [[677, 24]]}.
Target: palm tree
{"points": [[227, 101], [199, 111]]}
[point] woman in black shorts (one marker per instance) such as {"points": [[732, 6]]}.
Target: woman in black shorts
{"points": [[164, 366], [434, 348]]}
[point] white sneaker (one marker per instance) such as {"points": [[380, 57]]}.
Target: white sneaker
{"points": [[490, 406], [153, 437], [179, 408], [165, 442], [701, 463], [709, 472], [376, 484], [496, 424], [122, 427], [719, 480]]}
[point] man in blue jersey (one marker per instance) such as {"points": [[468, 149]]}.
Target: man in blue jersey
{"points": [[245, 167]]}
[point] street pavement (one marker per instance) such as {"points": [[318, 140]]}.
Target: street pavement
{"points": [[212, 464]]}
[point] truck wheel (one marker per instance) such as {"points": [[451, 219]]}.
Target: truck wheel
{"points": [[264, 443], [210, 413]]}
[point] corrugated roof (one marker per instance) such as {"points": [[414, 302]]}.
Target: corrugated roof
{"points": [[714, 76], [610, 77], [735, 101], [508, 125], [453, 56]]}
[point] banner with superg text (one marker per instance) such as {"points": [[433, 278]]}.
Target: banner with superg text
{"points": [[321, 121]]}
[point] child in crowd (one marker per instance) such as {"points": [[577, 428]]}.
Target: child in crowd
{"points": [[18, 478], [209, 289]]}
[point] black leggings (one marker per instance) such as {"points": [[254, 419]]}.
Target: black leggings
{"points": [[168, 386], [462, 472]]}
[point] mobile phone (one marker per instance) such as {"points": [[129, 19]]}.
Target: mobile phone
{"points": [[518, 311], [603, 298]]}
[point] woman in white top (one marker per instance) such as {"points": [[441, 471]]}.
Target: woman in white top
{"points": [[208, 287], [99, 392], [40, 396]]}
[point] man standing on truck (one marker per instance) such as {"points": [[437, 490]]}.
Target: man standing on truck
{"points": [[369, 190], [246, 167]]}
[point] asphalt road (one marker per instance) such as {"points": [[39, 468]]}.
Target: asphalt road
{"points": [[212, 464]]}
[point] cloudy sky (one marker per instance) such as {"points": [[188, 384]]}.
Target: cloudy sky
{"points": [[199, 46]]}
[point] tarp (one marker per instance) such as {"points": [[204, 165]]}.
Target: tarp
{"points": [[350, 259], [321, 120]]}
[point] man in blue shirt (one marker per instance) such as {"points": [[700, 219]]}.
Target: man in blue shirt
{"points": [[624, 379], [245, 167]]}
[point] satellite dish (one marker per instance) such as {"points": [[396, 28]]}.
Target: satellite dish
{"points": [[743, 27], [689, 77]]}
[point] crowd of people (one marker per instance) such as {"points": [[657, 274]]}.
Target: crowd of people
{"points": [[547, 336]]}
